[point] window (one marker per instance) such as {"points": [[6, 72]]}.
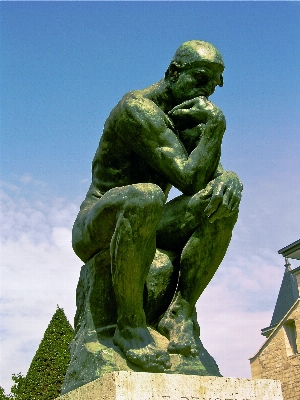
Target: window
{"points": [[291, 337]]}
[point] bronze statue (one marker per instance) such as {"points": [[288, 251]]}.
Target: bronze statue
{"points": [[168, 134]]}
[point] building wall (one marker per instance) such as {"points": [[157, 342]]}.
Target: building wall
{"points": [[279, 357]]}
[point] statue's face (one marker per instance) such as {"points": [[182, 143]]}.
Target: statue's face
{"points": [[197, 81]]}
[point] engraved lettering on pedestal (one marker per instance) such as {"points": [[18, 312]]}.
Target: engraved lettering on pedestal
{"points": [[197, 398], [183, 398]]}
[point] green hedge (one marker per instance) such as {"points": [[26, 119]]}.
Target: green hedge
{"points": [[48, 368]]}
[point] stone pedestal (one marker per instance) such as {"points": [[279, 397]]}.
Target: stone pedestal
{"points": [[148, 386]]}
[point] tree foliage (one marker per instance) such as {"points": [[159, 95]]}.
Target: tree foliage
{"points": [[16, 389], [48, 368], [3, 396], [49, 365]]}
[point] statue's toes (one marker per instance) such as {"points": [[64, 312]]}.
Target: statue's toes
{"points": [[151, 361], [180, 348], [164, 359]]}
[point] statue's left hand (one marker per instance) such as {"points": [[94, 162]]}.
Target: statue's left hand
{"points": [[224, 194]]}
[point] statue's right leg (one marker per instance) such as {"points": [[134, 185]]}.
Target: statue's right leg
{"points": [[125, 220]]}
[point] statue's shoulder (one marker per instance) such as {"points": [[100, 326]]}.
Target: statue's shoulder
{"points": [[139, 105], [135, 98], [135, 114], [125, 105]]}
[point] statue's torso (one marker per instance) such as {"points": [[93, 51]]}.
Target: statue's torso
{"points": [[115, 164]]}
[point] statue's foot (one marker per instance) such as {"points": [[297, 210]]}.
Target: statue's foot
{"points": [[140, 349], [181, 336], [183, 341], [179, 329]]}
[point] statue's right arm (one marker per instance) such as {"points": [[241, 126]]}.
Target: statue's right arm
{"points": [[147, 129]]}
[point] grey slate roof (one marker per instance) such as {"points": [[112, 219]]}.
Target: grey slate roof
{"points": [[288, 293], [287, 296]]}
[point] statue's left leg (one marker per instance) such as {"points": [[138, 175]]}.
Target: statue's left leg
{"points": [[206, 245]]}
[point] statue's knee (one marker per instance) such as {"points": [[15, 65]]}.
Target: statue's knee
{"points": [[147, 196], [79, 244]]}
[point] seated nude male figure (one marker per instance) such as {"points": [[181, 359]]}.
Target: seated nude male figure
{"points": [[166, 134]]}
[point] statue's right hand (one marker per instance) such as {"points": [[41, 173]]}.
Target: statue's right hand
{"points": [[198, 110]]}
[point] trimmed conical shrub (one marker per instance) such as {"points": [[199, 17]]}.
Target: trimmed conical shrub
{"points": [[47, 370]]}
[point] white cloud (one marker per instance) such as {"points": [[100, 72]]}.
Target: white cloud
{"points": [[231, 317], [26, 178], [38, 271]]}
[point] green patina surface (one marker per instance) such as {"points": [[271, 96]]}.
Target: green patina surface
{"points": [[149, 260]]}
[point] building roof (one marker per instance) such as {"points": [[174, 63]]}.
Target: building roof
{"points": [[287, 296], [292, 250], [288, 293]]}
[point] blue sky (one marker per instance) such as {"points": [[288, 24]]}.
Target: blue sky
{"points": [[64, 66]]}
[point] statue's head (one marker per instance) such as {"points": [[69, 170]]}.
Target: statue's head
{"points": [[195, 70]]}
